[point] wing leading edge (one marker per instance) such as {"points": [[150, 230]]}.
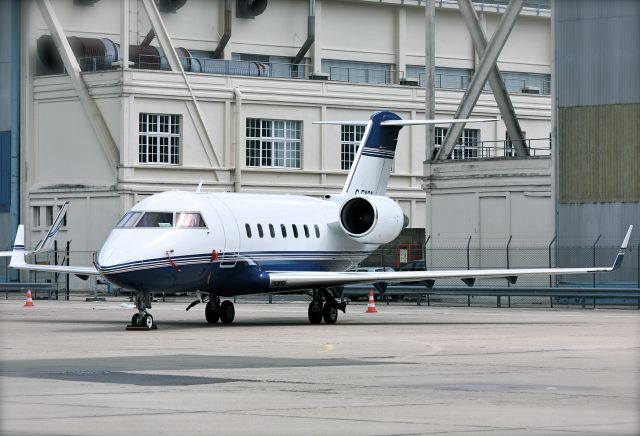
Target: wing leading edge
{"points": [[323, 279]]}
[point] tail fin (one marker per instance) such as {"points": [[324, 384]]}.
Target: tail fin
{"points": [[372, 165]]}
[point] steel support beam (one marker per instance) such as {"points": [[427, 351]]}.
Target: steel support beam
{"points": [[75, 74], [497, 85], [174, 62], [429, 76], [478, 80]]}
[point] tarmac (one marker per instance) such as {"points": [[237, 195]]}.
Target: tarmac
{"points": [[70, 368]]}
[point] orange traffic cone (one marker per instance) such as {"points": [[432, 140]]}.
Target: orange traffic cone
{"points": [[371, 307], [29, 302]]}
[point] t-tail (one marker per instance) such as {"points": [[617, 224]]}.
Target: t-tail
{"points": [[372, 164]]}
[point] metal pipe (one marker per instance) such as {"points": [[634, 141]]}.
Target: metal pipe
{"points": [[147, 39], [594, 262], [429, 75], [550, 244], [219, 51], [311, 33], [509, 263], [14, 202], [468, 256], [237, 183]]}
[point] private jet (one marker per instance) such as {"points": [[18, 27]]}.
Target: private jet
{"points": [[227, 244]]}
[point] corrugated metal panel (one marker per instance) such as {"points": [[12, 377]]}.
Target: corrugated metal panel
{"points": [[597, 51], [599, 153]]}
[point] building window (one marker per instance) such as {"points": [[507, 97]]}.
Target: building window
{"points": [[350, 137], [273, 143], [159, 139], [35, 217], [467, 145]]}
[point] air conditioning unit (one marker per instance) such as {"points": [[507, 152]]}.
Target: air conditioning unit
{"points": [[318, 76], [531, 90], [409, 82]]}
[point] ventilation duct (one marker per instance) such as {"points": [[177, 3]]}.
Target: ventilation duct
{"points": [[170, 5], [250, 8], [95, 54], [219, 51]]}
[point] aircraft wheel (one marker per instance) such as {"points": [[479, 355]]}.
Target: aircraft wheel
{"points": [[315, 312], [135, 319], [147, 321], [211, 312], [227, 312], [329, 314]]}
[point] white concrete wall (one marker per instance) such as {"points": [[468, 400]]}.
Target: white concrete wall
{"points": [[64, 160]]}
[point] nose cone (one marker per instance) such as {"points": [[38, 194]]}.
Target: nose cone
{"points": [[117, 249]]}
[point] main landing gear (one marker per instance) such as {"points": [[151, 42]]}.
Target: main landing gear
{"points": [[142, 319], [327, 310], [215, 311]]}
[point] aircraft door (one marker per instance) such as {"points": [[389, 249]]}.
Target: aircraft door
{"points": [[231, 252]]}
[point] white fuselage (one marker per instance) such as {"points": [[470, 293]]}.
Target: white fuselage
{"points": [[242, 236]]}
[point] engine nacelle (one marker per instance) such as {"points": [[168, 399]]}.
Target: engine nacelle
{"points": [[372, 219]]}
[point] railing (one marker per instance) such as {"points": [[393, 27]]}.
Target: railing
{"points": [[537, 147], [365, 75], [300, 71], [512, 85]]}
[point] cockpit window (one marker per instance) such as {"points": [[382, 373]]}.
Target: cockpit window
{"points": [[162, 219], [189, 219], [156, 219], [129, 220]]}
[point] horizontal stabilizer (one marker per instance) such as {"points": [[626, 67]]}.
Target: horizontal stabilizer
{"points": [[438, 121]]}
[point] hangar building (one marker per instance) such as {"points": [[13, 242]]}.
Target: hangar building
{"points": [[121, 115]]}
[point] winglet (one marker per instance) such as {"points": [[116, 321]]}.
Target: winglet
{"points": [[17, 257], [623, 249], [46, 243]]}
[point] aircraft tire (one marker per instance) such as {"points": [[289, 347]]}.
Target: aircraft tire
{"points": [[329, 314], [227, 312], [211, 312], [147, 321], [315, 312], [135, 319]]}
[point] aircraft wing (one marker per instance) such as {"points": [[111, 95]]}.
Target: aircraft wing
{"points": [[18, 261], [46, 243], [321, 278]]}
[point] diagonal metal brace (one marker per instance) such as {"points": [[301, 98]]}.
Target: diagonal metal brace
{"points": [[497, 85], [478, 80]]}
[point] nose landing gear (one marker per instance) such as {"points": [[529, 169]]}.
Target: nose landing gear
{"points": [[142, 320]]}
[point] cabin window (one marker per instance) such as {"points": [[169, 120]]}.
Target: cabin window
{"points": [[295, 230], [248, 229], [283, 228], [189, 220], [159, 139], [260, 232], [272, 231], [156, 219], [306, 230], [315, 226]]}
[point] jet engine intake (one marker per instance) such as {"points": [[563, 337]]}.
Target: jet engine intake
{"points": [[371, 219]]}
